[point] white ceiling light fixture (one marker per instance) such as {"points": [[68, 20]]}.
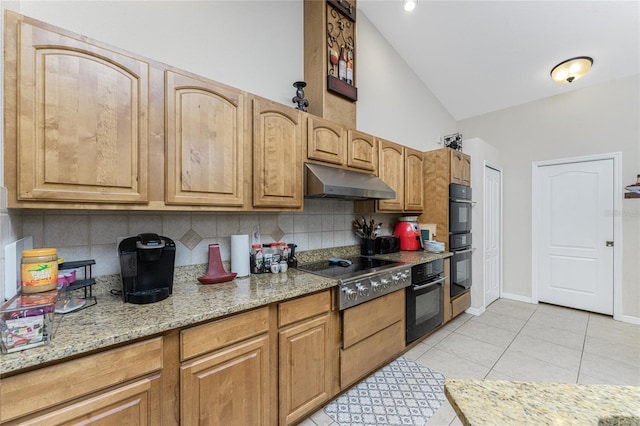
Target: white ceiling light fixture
{"points": [[409, 5], [571, 69]]}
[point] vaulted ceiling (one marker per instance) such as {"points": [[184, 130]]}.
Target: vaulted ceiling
{"points": [[482, 56]]}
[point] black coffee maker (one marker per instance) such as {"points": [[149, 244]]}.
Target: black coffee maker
{"points": [[146, 266]]}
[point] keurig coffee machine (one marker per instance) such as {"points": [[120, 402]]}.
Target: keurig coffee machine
{"points": [[146, 266]]}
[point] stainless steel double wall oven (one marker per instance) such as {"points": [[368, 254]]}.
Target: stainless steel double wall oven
{"points": [[460, 205]]}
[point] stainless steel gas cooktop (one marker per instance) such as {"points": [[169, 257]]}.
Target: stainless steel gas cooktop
{"points": [[364, 279]]}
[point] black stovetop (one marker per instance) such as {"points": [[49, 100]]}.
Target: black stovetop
{"points": [[360, 265]]}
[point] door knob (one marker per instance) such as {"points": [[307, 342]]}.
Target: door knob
{"points": [[609, 243]]}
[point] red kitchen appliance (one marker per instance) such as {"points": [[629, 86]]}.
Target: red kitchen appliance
{"points": [[409, 233]]}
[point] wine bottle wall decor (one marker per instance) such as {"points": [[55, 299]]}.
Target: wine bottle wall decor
{"points": [[341, 29]]}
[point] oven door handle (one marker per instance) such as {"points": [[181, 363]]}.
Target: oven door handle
{"points": [[420, 287], [463, 251], [457, 200]]}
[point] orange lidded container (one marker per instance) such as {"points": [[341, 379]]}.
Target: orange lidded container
{"points": [[39, 270]]}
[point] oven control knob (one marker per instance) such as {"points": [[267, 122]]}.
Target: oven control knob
{"points": [[350, 293], [385, 283], [395, 279], [362, 290], [376, 286]]}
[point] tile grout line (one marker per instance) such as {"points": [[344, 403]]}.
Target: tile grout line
{"points": [[511, 342], [584, 344]]}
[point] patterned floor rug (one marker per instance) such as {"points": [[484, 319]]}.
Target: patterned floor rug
{"points": [[401, 393]]}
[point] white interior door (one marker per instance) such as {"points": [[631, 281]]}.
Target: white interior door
{"points": [[575, 262], [492, 234]]}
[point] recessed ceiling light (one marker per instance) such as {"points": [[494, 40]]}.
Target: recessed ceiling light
{"points": [[571, 69], [409, 5]]}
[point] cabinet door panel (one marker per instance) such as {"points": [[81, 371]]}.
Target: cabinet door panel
{"points": [[362, 151], [326, 141], [99, 371], [229, 387], [304, 368], [466, 169], [457, 167], [413, 180], [83, 120], [133, 404], [392, 173], [278, 150], [366, 319], [205, 142]]}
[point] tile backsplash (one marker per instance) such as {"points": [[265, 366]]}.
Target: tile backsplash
{"points": [[79, 235]]}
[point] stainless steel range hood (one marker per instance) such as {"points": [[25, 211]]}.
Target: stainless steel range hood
{"points": [[330, 182]]}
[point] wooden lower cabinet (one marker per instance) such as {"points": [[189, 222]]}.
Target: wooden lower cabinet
{"points": [[225, 376], [304, 376], [115, 387], [460, 303], [306, 352], [132, 404], [373, 333], [227, 387]]}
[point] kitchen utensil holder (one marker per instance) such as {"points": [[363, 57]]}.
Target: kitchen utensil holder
{"points": [[367, 247]]}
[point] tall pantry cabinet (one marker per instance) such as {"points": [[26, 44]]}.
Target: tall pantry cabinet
{"points": [[441, 168]]}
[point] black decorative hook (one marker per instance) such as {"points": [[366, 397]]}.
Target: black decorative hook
{"points": [[299, 97]]}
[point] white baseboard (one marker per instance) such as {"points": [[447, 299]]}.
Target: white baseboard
{"points": [[627, 318], [475, 311], [519, 298]]}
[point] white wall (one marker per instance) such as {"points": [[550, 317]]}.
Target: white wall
{"points": [[480, 152], [256, 46], [392, 102], [595, 120]]}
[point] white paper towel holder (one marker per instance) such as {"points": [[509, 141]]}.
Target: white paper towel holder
{"points": [[240, 255]]}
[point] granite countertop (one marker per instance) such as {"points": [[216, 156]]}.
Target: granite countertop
{"points": [[111, 321], [497, 402]]}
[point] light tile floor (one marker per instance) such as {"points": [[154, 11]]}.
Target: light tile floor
{"points": [[526, 342]]}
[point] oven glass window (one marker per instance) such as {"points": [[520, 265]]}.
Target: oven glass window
{"points": [[463, 270], [427, 306], [462, 214]]}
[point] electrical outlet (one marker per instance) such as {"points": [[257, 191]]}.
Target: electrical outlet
{"points": [[440, 140]]}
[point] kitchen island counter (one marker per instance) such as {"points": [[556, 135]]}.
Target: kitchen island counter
{"points": [[497, 402]]}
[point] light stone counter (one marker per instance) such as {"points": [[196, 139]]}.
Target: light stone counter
{"points": [[496, 402], [112, 321]]}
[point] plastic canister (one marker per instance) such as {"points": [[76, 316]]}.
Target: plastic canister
{"points": [[39, 270]]}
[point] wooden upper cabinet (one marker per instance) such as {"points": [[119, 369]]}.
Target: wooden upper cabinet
{"points": [[362, 151], [460, 168], [83, 127], [413, 182], [391, 171], [206, 147], [326, 141], [278, 149]]}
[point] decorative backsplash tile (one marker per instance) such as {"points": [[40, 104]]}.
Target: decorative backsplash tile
{"points": [[324, 224]]}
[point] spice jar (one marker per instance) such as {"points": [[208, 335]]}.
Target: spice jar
{"points": [[257, 259], [39, 270]]}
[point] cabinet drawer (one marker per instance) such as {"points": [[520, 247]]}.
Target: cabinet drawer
{"points": [[460, 303], [368, 318], [305, 307], [50, 386], [215, 335], [132, 404], [368, 354]]}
